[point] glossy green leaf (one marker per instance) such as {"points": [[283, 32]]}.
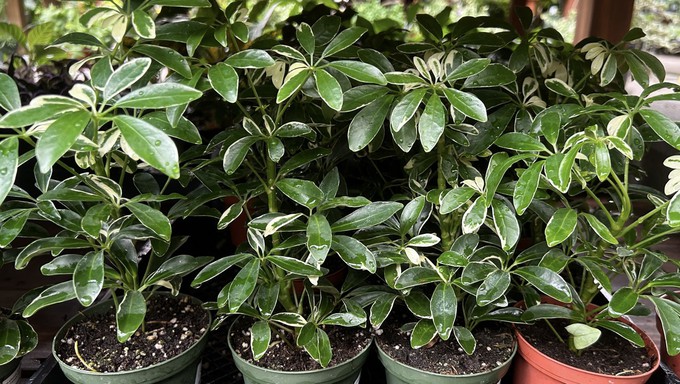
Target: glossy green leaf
{"points": [[546, 281], [443, 306], [415, 276], [34, 113], [292, 85], [184, 129], [59, 138], [218, 267], [423, 333], [672, 212], [167, 57], [362, 95], [411, 213], [11, 228], [143, 24], [230, 214], [355, 254], [493, 75], [662, 126], [467, 69], [125, 75], [466, 103], [455, 199], [130, 315], [366, 125], [151, 218], [279, 222], [181, 3], [465, 339], [493, 287], [582, 335], [622, 301], [305, 37], [291, 319], [561, 88], [243, 285], [329, 89], [368, 216], [267, 297], [560, 226], [161, 95], [224, 80], [236, 153], [520, 142], [93, 219], [343, 40], [381, 308], [294, 265], [9, 93], [600, 229], [319, 237], [176, 266], [505, 223], [61, 265], [669, 314], [10, 340], [624, 330], [526, 187], [547, 311], [57, 293], [150, 144], [453, 259], [407, 106], [357, 70], [250, 58], [260, 336], [50, 244], [88, 277], [29, 337], [303, 192], [430, 27], [9, 163], [419, 304], [403, 78], [432, 122], [474, 216]]}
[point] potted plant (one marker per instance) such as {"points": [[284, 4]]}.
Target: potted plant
{"points": [[100, 156], [19, 338]]}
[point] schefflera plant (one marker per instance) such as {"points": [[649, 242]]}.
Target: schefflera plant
{"points": [[584, 150], [282, 154], [115, 129]]}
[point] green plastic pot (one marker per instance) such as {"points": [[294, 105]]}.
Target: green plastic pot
{"points": [[181, 369], [399, 373], [10, 373], [344, 373]]}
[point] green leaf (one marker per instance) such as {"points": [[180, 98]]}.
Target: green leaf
{"points": [[368, 216], [57, 293], [368, 123], [505, 223], [443, 307], [59, 137], [329, 89], [362, 95], [600, 229], [355, 254], [291, 319], [125, 75], [79, 38], [418, 304], [465, 339], [294, 265], [243, 285], [250, 58], [561, 88], [167, 57], [582, 336], [10, 340], [452, 259], [161, 95], [624, 330], [622, 301], [381, 308], [474, 216], [432, 122], [9, 163], [61, 265], [260, 336], [224, 80], [494, 286], [9, 93], [130, 315], [150, 144], [29, 338], [662, 126], [430, 26], [548, 311], [88, 277], [151, 218], [319, 237], [182, 3], [546, 281], [143, 25], [176, 266], [50, 244], [289, 52], [406, 108], [668, 312], [357, 70], [236, 153], [12, 227], [493, 75], [424, 332], [305, 37], [218, 267], [455, 199], [292, 85], [526, 187], [467, 69], [184, 129], [276, 223], [520, 142], [35, 113], [303, 192], [403, 78], [343, 40], [466, 103], [416, 276], [411, 213], [560, 226]]}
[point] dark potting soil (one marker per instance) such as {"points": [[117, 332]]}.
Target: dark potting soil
{"points": [[346, 343], [171, 326], [494, 347], [610, 355]]}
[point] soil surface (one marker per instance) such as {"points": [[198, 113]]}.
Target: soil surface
{"points": [[171, 327], [610, 355], [346, 343], [494, 347]]}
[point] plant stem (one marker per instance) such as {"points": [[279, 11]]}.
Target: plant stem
{"points": [[554, 331], [446, 221]]}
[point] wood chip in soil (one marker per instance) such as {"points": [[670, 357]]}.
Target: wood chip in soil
{"points": [[171, 327], [610, 355], [495, 343], [345, 342]]}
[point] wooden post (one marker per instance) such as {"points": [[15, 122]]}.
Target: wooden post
{"points": [[15, 12], [606, 19]]}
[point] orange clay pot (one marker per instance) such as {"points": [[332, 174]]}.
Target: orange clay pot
{"points": [[531, 366]]}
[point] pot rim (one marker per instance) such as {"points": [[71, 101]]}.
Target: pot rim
{"points": [[292, 373], [471, 375], [108, 302]]}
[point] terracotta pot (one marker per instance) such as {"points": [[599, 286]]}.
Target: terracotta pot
{"points": [[531, 366]]}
